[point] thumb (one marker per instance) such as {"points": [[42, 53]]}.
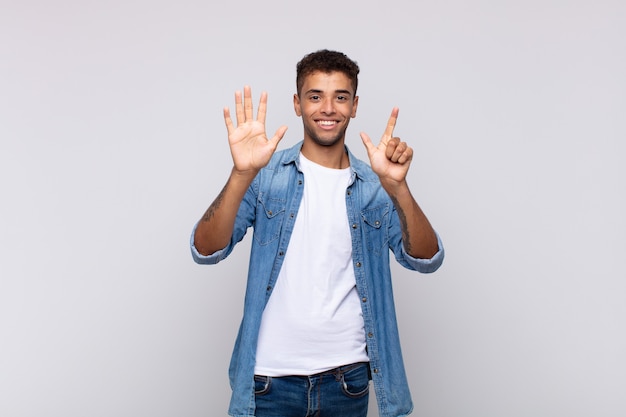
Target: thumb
{"points": [[278, 136], [367, 142]]}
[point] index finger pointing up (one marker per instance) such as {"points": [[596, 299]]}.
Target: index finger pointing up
{"points": [[391, 124]]}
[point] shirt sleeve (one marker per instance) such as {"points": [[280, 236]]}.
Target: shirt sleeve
{"points": [[426, 265], [244, 220], [207, 259]]}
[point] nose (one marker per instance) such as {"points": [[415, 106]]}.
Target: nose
{"points": [[328, 106]]}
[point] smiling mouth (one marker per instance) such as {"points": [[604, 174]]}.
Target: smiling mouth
{"points": [[326, 123]]}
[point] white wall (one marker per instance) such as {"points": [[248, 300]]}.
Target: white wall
{"points": [[113, 144]]}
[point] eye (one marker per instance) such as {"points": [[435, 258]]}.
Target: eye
{"points": [[342, 98]]}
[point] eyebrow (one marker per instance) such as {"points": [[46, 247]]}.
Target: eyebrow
{"points": [[314, 91]]}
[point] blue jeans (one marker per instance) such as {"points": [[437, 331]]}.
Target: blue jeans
{"points": [[342, 391]]}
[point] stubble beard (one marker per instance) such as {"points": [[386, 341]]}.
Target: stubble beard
{"points": [[326, 141]]}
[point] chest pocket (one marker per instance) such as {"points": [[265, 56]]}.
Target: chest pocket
{"points": [[269, 220], [375, 227]]}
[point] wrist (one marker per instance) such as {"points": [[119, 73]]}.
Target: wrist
{"points": [[395, 188], [246, 175]]}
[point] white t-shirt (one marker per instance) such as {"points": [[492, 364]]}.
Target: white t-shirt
{"points": [[313, 320]]}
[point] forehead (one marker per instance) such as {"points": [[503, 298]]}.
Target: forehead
{"points": [[327, 82]]}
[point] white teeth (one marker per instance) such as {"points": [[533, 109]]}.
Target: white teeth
{"points": [[326, 122]]}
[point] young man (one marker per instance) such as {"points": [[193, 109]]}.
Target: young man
{"points": [[319, 319]]}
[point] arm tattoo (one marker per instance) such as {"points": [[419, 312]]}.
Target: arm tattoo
{"points": [[208, 215]]}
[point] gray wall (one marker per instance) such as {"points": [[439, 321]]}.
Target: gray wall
{"points": [[113, 144]]}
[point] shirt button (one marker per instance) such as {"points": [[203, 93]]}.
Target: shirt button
{"points": [[354, 225], [269, 288], [269, 213], [375, 370], [370, 334], [281, 253], [364, 299], [349, 192], [358, 264]]}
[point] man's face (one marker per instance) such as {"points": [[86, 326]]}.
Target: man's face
{"points": [[326, 104]]}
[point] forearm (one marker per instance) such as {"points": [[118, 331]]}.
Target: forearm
{"points": [[215, 228], [418, 236]]}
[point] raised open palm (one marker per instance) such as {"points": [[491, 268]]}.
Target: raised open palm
{"points": [[249, 146]]}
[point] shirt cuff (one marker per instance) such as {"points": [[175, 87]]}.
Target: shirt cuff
{"points": [[204, 259], [427, 265]]}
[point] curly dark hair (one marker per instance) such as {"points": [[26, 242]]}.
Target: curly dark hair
{"points": [[326, 61]]}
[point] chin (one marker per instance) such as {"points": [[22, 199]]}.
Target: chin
{"points": [[326, 142]]}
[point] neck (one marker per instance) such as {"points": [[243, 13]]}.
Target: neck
{"points": [[335, 156]]}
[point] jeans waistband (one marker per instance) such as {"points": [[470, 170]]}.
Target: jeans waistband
{"points": [[335, 371], [340, 369]]}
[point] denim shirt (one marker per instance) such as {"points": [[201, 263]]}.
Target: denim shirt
{"points": [[270, 206]]}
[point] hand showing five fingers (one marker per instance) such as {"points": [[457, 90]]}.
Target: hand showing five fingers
{"points": [[249, 146], [391, 159]]}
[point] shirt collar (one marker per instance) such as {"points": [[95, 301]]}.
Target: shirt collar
{"points": [[358, 167]]}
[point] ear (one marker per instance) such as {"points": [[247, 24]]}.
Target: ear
{"points": [[355, 104], [296, 105]]}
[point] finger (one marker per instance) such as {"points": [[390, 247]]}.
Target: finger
{"points": [[262, 108], [390, 148], [391, 124], [228, 120], [398, 150], [239, 108], [247, 102], [406, 156]]}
